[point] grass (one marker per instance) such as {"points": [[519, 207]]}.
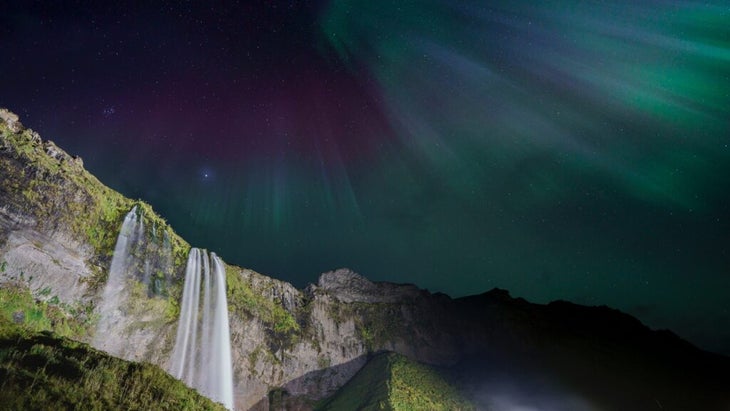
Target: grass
{"points": [[391, 381], [41, 371], [247, 301], [415, 386], [17, 304]]}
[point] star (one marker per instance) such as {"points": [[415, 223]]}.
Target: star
{"points": [[206, 174]]}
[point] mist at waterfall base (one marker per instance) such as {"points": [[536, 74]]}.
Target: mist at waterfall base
{"points": [[201, 356], [557, 149], [510, 393]]}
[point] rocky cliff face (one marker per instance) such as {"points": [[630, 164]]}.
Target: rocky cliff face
{"points": [[58, 226], [42, 239]]}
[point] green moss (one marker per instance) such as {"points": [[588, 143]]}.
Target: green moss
{"points": [[392, 382], [107, 209], [283, 321], [172, 310], [180, 248], [373, 321], [43, 372], [18, 305], [415, 386], [140, 304], [253, 358], [249, 302]]}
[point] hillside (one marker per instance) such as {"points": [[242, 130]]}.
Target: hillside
{"points": [[39, 371], [392, 382]]}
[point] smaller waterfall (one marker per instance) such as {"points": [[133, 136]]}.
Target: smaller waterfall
{"points": [[163, 282], [140, 262], [114, 290], [202, 358]]}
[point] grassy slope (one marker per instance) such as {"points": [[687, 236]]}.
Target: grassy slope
{"points": [[392, 382], [17, 304], [40, 371]]}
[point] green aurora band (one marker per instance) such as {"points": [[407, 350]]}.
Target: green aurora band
{"points": [[559, 149]]}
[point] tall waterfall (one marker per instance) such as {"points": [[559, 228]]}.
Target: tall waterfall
{"points": [[202, 354]]}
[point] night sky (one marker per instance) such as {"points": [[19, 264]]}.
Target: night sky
{"points": [[562, 149]]}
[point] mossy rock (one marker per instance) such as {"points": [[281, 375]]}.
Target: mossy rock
{"points": [[390, 381], [53, 193], [17, 305], [247, 301]]}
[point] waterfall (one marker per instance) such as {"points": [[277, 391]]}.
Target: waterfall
{"points": [[138, 261], [202, 353], [202, 359], [163, 282], [114, 290], [221, 336]]}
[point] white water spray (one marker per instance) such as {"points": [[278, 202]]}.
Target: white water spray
{"points": [[203, 359], [137, 259], [114, 291]]}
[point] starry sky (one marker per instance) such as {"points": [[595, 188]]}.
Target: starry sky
{"points": [[561, 149]]}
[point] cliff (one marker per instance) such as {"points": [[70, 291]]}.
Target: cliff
{"points": [[58, 226]]}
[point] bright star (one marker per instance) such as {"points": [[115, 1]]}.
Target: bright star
{"points": [[206, 174]]}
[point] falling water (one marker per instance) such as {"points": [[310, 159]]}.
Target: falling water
{"points": [[203, 359], [221, 336], [114, 291], [202, 353], [137, 259], [166, 263]]}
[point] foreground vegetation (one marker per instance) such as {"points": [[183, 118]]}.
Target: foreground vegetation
{"points": [[40, 371], [393, 382], [18, 305]]}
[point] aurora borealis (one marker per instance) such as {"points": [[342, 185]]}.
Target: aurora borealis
{"points": [[561, 150]]}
